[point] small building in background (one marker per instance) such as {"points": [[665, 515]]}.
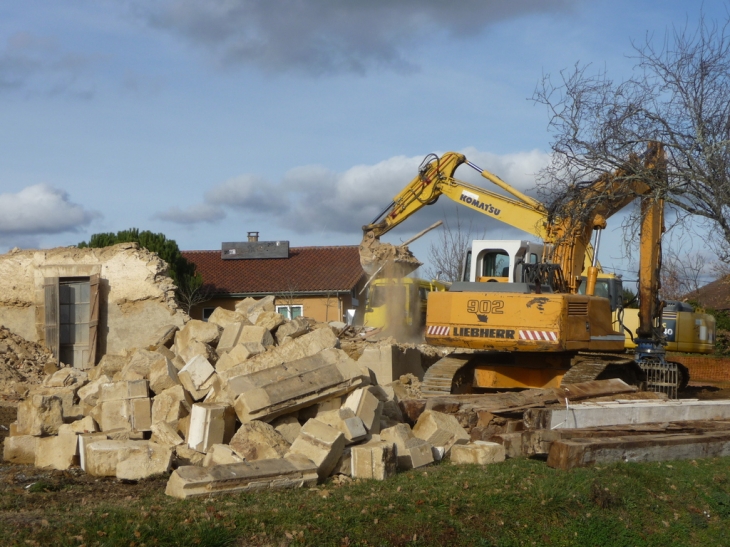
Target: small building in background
{"points": [[715, 295], [318, 282]]}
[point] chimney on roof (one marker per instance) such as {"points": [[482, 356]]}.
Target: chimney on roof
{"points": [[253, 236]]}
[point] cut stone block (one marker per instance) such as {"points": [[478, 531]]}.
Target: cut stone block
{"points": [[411, 451], [165, 434], [194, 374], [162, 337], [127, 414], [283, 389], [321, 443], [229, 337], [478, 452], [107, 459], [40, 415], [270, 320], [238, 354], [440, 430], [210, 424], [390, 362], [67, 396], [85, 439], [195, 348], [163, 375], [20, 449], [345, 420], [292, 329], [152, 459], [223, 317], [373, 460], [127, 389], [344, 464], [109, 365], [171, 405], [288, 427], [258, 441], [89, 394], [84, 425], [290, 472], [252, 308], [66, 377], [256, 334], [139, 365], [220, 454], [59, 452], [367, 407], [184, 455], [202, 331]]}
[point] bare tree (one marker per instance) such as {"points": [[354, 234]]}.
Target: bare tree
{"points": [[446, 255], [678, 95], [681, 273], [191, 291]]}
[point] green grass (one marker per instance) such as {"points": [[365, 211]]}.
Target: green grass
{"points": [[518, 502]]}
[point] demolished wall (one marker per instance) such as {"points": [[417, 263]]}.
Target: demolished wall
{"points": [[136, 294]]}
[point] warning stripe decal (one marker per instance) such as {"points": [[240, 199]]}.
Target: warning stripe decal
{"points": [[437, 330], [538, 335]]}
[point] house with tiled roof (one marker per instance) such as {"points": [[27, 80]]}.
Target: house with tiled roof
{"points": [[715, 295], [318, 282]]}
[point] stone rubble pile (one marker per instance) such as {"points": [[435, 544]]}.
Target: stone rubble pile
{"points": [[22, 364], [246, 400]]}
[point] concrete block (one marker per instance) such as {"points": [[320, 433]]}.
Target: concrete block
{"points": [[269, 393], [440, 430], [138, 367], [411, 452], [20, 449], [345, 420], [478, 452], [373, 460], [149, 460], [220, 454], [295, 328], [229, 337], [107, 459], [367, 407], [390, 362], [202, 331], [257, 334], [126, 389], [165, 434], [321, 443], [59, 452], [163, 375], [290, 472], [141, 411], [238, 354], [258, 441], [40, 415], [210, 424], [89, 394], [194, 374], [288, 427], [126, 414], [195, 348], [270, 320], [171, 405]]}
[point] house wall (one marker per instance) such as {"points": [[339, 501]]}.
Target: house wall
{"points": [[317, 307], [136, 295]]}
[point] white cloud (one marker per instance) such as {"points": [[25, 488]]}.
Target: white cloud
{"points": [[41, 209], [328, 36], [201, 212], [248, 192]]}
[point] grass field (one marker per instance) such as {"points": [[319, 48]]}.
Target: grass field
{"points": [[518, 502]]}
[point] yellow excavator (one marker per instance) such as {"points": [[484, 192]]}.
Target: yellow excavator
{"points": [[538, 331]]}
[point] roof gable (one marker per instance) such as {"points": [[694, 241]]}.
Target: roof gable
{"points": [[715, 295], [308, 269]]}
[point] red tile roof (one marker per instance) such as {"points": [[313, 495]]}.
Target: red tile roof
{"points": [[308, 269], [715, 295]]}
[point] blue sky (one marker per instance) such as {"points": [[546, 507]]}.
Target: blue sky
{"points": [[298, 119]]}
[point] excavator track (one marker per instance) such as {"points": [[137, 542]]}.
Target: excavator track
{"points": [[439, 378]]}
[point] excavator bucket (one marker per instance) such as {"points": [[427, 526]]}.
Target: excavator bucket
{"points": [[392, 260]]}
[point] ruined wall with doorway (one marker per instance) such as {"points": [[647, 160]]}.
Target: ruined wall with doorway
{"points": [[135, 294]]}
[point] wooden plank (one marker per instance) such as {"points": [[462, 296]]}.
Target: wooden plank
{"points": [[51, 313], [582, 452], [93, 319]]}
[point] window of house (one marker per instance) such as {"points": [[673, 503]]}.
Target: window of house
{"points": [[290, 312], [207, 312]]}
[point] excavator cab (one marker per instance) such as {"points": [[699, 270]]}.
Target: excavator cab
{"points": [[499, 260]]}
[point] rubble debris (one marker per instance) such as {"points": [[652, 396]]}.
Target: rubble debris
{"points": [[258, 441], [21, 362]]}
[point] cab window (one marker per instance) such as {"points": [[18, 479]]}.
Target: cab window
{"points": [[496, 264]]}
